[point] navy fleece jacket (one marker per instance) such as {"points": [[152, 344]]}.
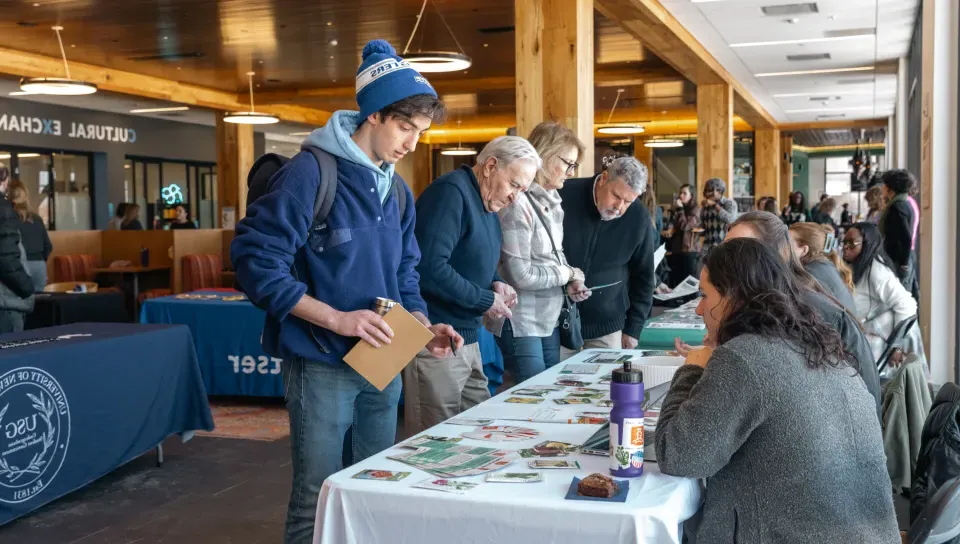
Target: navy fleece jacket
{"points": [[365, 250], [460, 241]]}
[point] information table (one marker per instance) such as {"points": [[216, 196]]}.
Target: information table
{"points": [[682, 322], [352, 511], [226, 332], [77, 401], [52, 309]]}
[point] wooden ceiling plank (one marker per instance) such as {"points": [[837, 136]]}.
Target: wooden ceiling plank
{"points": [[20, 63], [849, 123], [659, 30]]}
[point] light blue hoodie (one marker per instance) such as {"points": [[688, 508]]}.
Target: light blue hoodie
{"points": [[335, 138]]}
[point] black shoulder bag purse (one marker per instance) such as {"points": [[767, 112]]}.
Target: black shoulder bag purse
{"points": [[571, 333]]}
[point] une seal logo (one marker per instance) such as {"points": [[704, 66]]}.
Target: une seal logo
{"points": [[34, 432]]}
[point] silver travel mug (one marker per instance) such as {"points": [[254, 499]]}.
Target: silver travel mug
{"points": [[383, 305]]}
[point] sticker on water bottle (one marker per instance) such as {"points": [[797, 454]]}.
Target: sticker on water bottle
{"points": [[626, 444]]}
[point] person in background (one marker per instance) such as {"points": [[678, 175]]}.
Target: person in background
{"points": [[770, 206], [796, 210], [846, 218], [458, 231], [874, 198], [684, 258], [816, 207], [754, 410], [824, 213], [33, 234], [761, 203], [117, 220], [533, 260], [610, 237], [716, 213], [881, 300], [182, 220], [899, 225], [770, 230], [16, 287], [817, 248], [649, 202], [317, 285], [131, 217]]}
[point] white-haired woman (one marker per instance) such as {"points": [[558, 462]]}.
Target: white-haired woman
{"points": [[458, 232], [532, 260]]}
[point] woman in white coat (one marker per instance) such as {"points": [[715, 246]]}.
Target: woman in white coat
{"points": [[881, 301]]}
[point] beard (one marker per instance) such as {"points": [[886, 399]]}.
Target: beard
{"points": [[609, 215]]}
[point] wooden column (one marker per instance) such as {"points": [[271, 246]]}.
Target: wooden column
{"points": [[786, 170], [554, 68], [234, 160], [715, 134], [643, 154], [766, 164]]}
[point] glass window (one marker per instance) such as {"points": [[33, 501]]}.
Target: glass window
{"points": [[34, 172], [71, 186], [837, 183]]}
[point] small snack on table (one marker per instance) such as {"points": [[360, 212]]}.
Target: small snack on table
{"points": [[598, 485]]}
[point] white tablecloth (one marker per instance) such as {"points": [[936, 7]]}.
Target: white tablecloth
{"points": [[354, 511]]}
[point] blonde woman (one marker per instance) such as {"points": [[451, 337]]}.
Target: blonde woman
{"points": [[33, 234], [874, 198], [532, 259], [819, 251]]}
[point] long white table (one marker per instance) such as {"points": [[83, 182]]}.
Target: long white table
{"points": [[352, 511]]}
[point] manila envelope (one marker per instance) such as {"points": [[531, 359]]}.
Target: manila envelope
{"points": [[381, 365]]}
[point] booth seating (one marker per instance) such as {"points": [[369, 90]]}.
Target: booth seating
{"points": [[74, 268], [202, 272]]}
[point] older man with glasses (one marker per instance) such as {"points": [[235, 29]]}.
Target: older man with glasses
{"points": [[608, 234]]}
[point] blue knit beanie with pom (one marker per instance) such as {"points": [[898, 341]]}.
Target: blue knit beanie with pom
{"points": [[385, 78]]}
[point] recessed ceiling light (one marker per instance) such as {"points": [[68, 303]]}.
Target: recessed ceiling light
{"points": [[261, 62], [334, 43], [793, 20], [829, 110], [329, 23], [28, 155], [73, 45], [813, 72], [801, 42], [299, 133], [36, 4], [486, 45], [159, 110], [331, 57], [179, 68], [166, 37]]}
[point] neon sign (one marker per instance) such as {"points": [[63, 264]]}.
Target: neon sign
{"points": [[171, 194]]}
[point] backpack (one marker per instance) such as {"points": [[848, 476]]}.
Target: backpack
{"points": [[268, 165]]}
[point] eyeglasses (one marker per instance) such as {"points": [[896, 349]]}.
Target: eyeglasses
{"points": [[571, 166], [850, 244]]}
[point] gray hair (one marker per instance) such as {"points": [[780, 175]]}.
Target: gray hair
{"points": [[508, 149], [715, 184], [629, 171]]}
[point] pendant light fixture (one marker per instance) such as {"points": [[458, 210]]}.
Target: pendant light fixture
{"points": [[618, 129], [663, 142], [251, 117], [61, 86], [435, 61], [460, 150]]}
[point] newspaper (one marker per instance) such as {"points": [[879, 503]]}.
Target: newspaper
{"points": [[687, 287], [451, 460]]}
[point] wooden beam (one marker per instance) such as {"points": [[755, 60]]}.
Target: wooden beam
{"points": [[659, 30], [23, 64], [234, 160], [766, 170], [786, 169], [554, 67], [715, 134], [817, 125]]}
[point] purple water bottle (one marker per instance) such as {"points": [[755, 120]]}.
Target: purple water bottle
{"points": [[626, 422], [144, 257]]}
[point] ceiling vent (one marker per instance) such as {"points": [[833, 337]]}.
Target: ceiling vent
{"points": [[167, 56], [809, 56], [790, 10], [821, 98], [832, 116], [857, 81], [848, 32]]}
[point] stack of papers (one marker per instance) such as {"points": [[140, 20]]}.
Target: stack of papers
{"points": [[687, 287], [450, 460]]}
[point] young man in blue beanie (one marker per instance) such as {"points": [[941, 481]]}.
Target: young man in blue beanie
{"points": [[318, 295]]}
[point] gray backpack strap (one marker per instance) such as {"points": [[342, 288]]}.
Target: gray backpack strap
{"points": [[400, 192], [328, 186]]}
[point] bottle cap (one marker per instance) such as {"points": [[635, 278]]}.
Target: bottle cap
{"points": [[627, 374]]}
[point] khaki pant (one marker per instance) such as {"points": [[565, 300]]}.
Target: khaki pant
{"points": [[434, 390], [611, 341]]}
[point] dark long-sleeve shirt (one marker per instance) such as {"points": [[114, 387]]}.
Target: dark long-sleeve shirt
{"points": [[35, 239], [12, 273], [607, 252]]}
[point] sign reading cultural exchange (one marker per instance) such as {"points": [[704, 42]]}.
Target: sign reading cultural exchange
{"points": [[54, 127]]}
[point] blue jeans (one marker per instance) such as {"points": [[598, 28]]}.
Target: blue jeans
{"points": [[527, 356], [323, 402]]}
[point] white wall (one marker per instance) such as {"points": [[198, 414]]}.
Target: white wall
{"points": [[817, 180]]}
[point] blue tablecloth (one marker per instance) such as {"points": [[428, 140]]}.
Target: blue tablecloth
{"points": [[226, 334], [77, 401]]}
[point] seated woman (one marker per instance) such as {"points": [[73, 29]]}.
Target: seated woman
{"points": [[815, 245], [881, 300], [758, 415]]}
